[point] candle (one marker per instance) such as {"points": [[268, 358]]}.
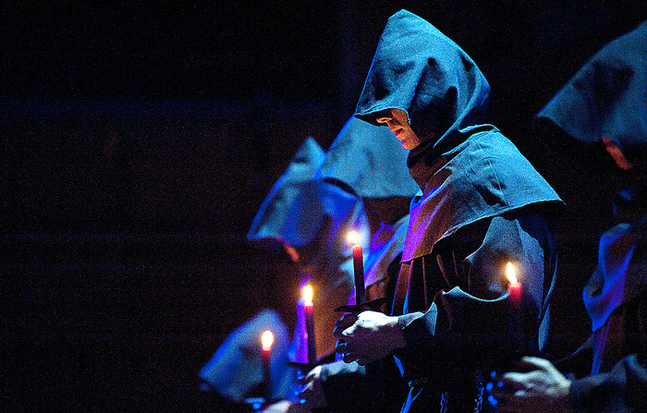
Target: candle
{"points": [[310, 323], [516, 309], [358, 268], [515, 287], [267, 338]]}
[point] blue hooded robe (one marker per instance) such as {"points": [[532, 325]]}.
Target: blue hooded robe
{"points": [[369, 162], [607, 97], [314, 217], [482, 205]]}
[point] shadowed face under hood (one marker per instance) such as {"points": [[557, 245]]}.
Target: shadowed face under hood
{"points": [[421, 71], [607, 97]]}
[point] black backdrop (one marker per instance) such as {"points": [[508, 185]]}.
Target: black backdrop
{"points": [[139, 139]]}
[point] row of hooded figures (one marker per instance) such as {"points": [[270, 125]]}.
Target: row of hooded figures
{"points": [[440, 211]]}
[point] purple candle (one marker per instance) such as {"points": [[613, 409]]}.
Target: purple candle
{"points": [[310, 323]]}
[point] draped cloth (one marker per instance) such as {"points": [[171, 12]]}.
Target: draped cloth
{"points": [[481, 204], [607, 97], [370, 162], [312, 216]]}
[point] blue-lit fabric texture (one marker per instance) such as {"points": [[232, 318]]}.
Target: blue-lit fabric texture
{"points": [[281, 215], [467, 170], [370, 161], [607, 96], [235, 371]]}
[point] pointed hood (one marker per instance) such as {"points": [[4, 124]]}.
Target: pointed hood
{"points": [[370, 161], [236, 369], [607, 97], [421, 71], [467, 171], [282, 215], [314, 217]]}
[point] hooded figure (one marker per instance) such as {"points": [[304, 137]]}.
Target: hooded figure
{"points": [[366, 161], [482, 205], [310, 219], [605, 104], [235, 371]]}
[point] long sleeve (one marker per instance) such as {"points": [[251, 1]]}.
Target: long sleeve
{"points": [[456, 311], [623, 389]]}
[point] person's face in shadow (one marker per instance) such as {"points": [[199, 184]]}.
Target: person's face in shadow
{"points": [[398, 123]]}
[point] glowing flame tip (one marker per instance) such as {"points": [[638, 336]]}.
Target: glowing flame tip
{"points": [[267, 339], [307, 294], [353, 237], [510, 273]]}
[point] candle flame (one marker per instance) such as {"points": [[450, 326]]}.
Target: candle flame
{"points": [[267, 339], [353, 237], [307, 294], [509, 271]]}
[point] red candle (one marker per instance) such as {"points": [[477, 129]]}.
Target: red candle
{"points": [[358, 268], [515, 290], [310, 323], [266, 349]]}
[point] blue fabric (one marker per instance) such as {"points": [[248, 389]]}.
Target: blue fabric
{"points": [[236, 369], [369, 160], [607, 96], [486, 176], [279, 216], [482, 204]]}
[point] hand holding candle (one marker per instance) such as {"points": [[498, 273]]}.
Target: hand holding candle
{"points": [[267, 339], [358, 268], [310, 323]]}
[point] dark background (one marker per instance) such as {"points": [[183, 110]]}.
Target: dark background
{"points": [[138, 140]]}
